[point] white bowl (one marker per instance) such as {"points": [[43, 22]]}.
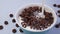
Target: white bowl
{"points": [[47, 8]]}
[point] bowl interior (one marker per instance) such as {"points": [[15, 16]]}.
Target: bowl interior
{"points": [[47, 8]]}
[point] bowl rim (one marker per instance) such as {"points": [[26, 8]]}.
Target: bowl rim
{"points": [[37, 5]]}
